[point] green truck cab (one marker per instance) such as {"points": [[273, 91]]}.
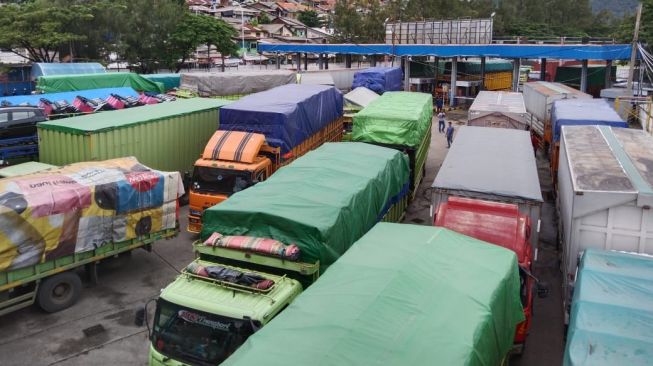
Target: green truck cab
{"points": [[322, 203], [202, 321]]}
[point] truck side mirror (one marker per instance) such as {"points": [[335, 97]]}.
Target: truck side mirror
{"points": [[139, 317], [542, 289]]}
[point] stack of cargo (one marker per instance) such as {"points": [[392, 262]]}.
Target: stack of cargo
{"points": [[498, 109], [64, 83], [573, 112], [495, 165], [295, 118], [402, 295], [400, 120], [355, 101], [612, 311], [539, 97], [167, 136], [379, 79], [322, 202], [605, 190], [234, 85]]}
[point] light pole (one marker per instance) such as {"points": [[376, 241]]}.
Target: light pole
{"points": [[242, 29]]}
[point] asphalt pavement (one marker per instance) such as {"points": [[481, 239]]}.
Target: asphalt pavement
{"points": [[100, 329]]}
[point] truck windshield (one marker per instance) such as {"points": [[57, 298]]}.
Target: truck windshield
{"points": [[196, 337], [223, 181]]}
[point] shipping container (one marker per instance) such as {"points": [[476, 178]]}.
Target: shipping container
{"points": [[493, 164], [605, 193], [539, 97], [612, 311], [498, 109], [166, 136]]}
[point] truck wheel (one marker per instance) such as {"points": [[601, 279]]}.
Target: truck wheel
{"points": [[59, 291]]}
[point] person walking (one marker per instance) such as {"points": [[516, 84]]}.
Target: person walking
{"points": [[449, 135], [441, 116]]}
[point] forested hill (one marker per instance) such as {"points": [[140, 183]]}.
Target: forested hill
{"points": [[616, 7]]}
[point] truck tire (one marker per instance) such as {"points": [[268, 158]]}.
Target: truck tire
{"points": [[59, 291]]}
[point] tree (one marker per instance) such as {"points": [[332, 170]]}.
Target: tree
{"points": [[264, 18], [40, 28], [193, 31], [309, 18]]}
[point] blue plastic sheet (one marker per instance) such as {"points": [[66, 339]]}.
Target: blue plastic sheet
{"points": [[33, 100], [612, 311], [379, 79], [287, 115], [572, 112]]}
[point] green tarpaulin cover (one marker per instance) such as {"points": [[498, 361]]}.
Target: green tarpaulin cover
{"points": [[612, 311], [169, 81], [64, 83], [402, 295], [395, 118], [323, 201], [105, 121]]}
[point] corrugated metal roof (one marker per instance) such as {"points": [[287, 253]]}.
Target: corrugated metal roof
{"points": [[499, 101]]}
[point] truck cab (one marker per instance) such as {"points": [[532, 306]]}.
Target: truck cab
{"points": [[231, 161], [501, 224], [201, 321]]}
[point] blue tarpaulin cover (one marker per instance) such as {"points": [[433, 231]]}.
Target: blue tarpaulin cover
{"points": [[287, 115], [33, 100], [379, 79], [572, 112], [169, 81], [612, 311]]}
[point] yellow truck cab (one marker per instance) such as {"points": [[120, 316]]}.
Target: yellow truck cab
{"points": [[231, 162]]}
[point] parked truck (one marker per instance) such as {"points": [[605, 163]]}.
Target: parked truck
{"points": [[500, 224], [259, 134], [18, 139], [498, 109], [260, 248], [402, 121], [55, 221], [605, 195], [612, 310], [402, 295], [493, 164]]}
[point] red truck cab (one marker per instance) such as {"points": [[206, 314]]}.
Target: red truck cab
{"points": [[500, 224]]}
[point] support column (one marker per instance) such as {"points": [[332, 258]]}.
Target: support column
{"points": [[406, 74], [482, 86], [454, 77], [278, 63], [608, 74], [326, 61], [516, 63], [348, 61], [435, 73], [305, 61], [373, 60], [583, 76], [299, 62], [320, 61], [543, 69]]}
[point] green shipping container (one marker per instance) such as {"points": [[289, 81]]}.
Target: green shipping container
{"points": [[168, 136]]}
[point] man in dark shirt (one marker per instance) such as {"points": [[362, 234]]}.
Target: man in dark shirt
{"points": [[449, 135]]}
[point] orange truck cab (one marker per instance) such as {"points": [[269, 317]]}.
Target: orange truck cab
{"points": [[501, 224], [231, 162]]}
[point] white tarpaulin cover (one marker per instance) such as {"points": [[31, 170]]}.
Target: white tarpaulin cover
{"points": [[361, 96], [220, 84]]}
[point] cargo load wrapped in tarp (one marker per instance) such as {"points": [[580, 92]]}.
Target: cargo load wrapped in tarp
{"points": [[583, 112], [166, 136], [612, 311], [80, 207], [397, 118], [361, 97], [33, 100], [64, 83], [169, 81], [402, 295], [323, 202], [379, 79], [222, 84], [498, 109], [287, 115]]}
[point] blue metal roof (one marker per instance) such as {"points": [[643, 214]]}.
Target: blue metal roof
{"points": [[573, 52]]}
